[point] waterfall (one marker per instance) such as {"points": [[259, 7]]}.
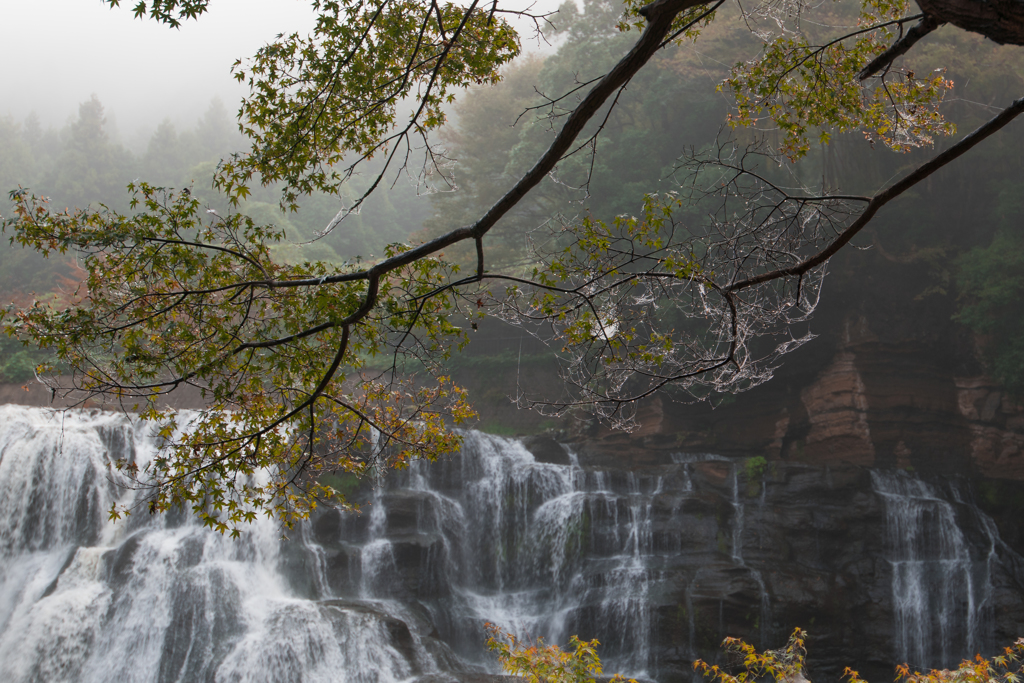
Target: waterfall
{"points": [[656, 560], [151, 599], [539, 549], [941, 583], [737, 552], [545, 550], [737, 527]]}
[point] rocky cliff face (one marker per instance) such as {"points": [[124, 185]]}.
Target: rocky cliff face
{"points": [[883, 510], [660, 553], [815, 505], [887, 520], [869, 402], [871, 494]]}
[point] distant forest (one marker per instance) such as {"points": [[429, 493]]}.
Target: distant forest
{"points": [[83, 164], [955, 246]]}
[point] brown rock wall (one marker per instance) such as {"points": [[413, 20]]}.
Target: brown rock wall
{"points": [[872, 404], [996, 427], [837, 408]]}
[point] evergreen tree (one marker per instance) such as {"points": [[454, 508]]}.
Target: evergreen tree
{"points": [[91, 167]]}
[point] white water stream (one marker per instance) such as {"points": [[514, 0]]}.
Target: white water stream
{"points": [[538, 549], [402, 591], [83, 599], [941, 585]]}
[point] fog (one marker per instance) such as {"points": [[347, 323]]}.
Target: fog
{"points": [[57, 53]]}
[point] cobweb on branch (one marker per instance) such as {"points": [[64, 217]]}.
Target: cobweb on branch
{"points": [[663, 299]]}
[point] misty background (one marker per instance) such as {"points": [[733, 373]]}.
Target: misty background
{"points": [[95, 99], [58, 53]]}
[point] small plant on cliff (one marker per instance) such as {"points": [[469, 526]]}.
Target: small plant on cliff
{"points": [[754, 469], [540, 663], [786, 665]]}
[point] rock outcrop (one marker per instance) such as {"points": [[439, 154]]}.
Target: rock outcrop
{"points": [[660, 553]]}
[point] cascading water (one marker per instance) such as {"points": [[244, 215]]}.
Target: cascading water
{"points": [[539, 549], [941, 583], [85, 599], [657, 561], [764, 618]]}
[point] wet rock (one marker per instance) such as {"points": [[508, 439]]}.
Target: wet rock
{"points": [[545, 449], [399, 635]]}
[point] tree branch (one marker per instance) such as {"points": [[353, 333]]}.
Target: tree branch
{"points": [[900, 47], [887, 195]]}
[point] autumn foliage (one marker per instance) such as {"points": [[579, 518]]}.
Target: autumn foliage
{"points": [[540, 663], [786, 665]]}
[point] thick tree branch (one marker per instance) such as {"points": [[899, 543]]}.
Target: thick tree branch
{"points": [[1001, 21], [660, 14], [900, 47], [887, 195]]}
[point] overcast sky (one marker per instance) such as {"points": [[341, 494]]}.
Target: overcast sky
{"points": [[56, 53]]}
